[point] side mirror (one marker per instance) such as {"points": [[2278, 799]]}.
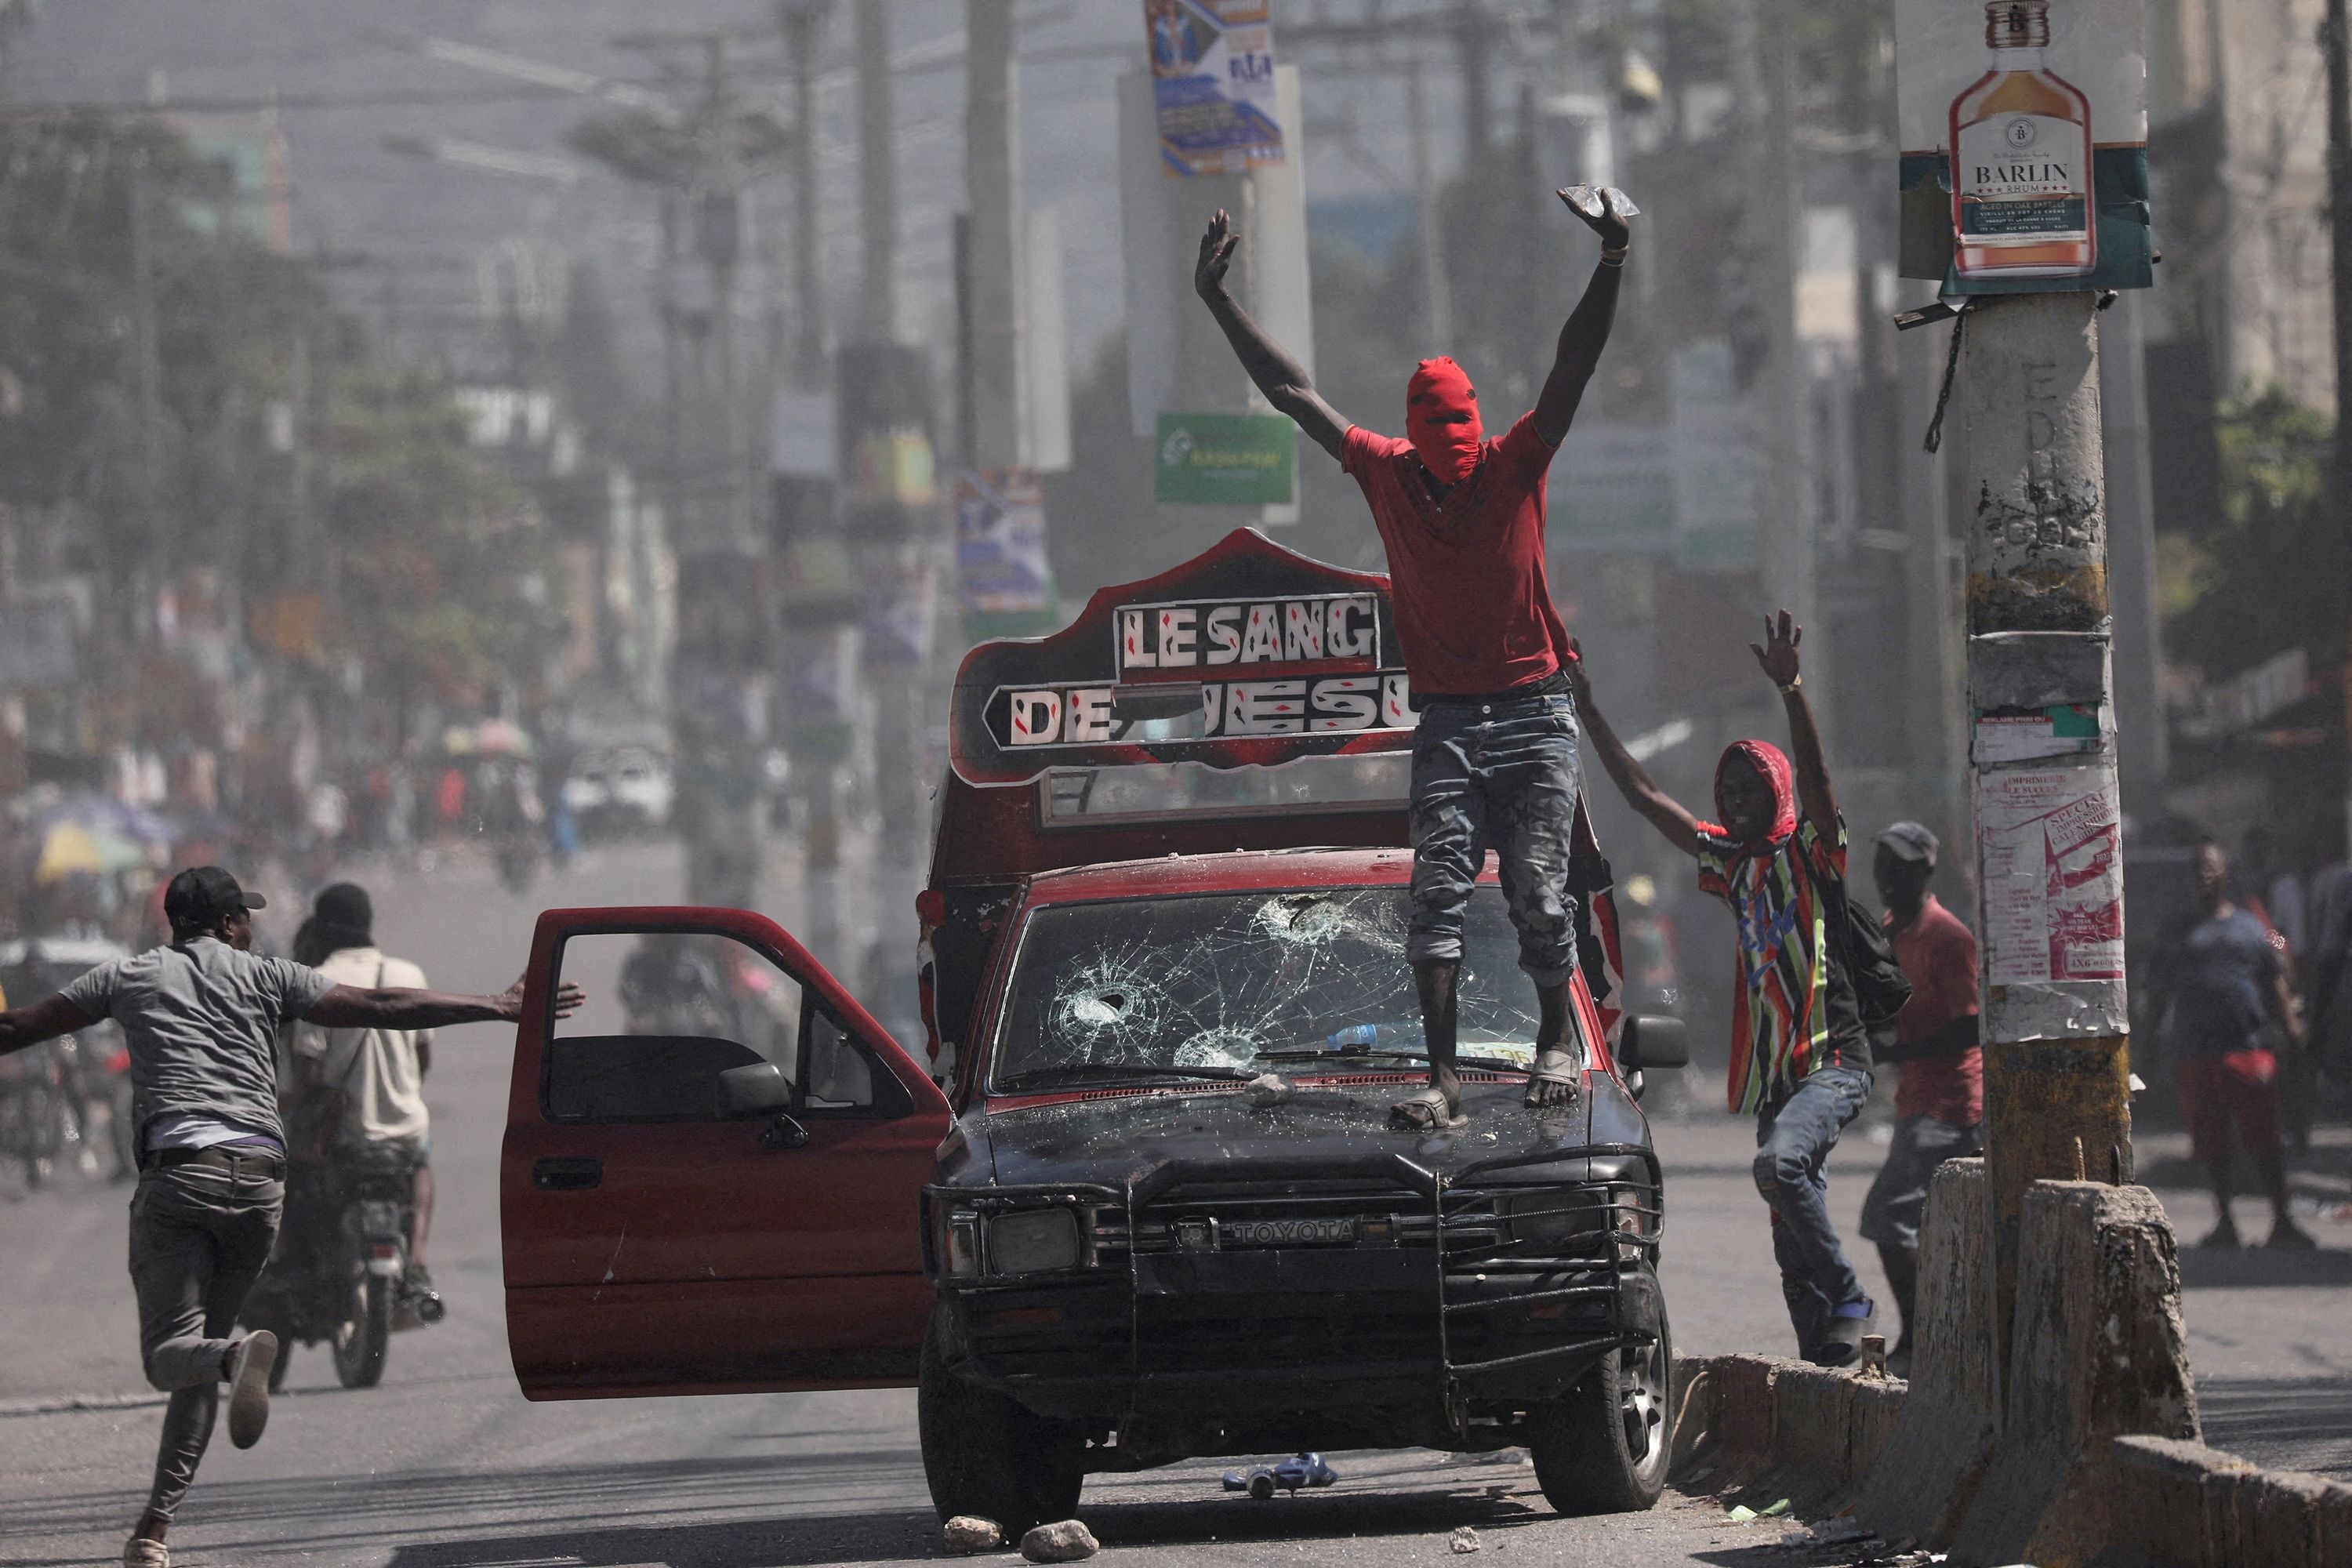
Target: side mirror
{"points": [[756, 1088], [1650, 1041]]}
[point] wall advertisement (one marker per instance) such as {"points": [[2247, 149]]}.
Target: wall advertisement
{"points": [[2023, 128]]}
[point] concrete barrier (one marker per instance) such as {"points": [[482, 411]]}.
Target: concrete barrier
{"points": [[2184, 1505], [1810, 1431], [2097, 1354], [1931, 1460]]}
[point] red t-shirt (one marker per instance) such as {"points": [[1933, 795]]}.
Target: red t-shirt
{"points": [[1938, 956], [1473, 608]]}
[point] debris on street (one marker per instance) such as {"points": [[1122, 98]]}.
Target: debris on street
{"points": [[1066, 1541], [1261, 1481], [1465, 1541], [1743, 1514], [968, 1533]]}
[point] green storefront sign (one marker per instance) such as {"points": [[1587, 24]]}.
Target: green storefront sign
{"points": [[1227, 459]]}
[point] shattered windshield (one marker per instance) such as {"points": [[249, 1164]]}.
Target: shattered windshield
{"points": [[1230, 985]]}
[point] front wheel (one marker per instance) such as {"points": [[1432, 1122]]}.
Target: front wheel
{"points": [[985, 1453], [365, 1332], [1602, 1447]]}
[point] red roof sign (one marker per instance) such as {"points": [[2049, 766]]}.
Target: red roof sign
{"points": [[1247, 654]]}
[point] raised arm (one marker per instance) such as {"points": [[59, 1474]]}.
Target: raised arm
{"points": [[1633, 780], [1777, 658], [400, 1008], [1281, 378], [1586, 332], [23, 1027]]}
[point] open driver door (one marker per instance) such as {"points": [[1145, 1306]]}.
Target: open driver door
{"points": [[711, 1171]]}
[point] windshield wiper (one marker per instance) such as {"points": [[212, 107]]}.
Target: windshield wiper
{"points": [[1340, 1054], [1121, 1069]]}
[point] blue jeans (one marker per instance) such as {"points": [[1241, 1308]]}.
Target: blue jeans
{"points": [[1793, 1140], [1499, 775]]}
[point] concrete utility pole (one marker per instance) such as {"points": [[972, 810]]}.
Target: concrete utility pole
{"points": [[1789, 524], [720, 238], [804, 23], [1429, 225], [878, 176], [2336, 42], [146, 350], [999, 398], [2049, 842]]}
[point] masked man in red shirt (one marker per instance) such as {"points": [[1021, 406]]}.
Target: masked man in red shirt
{"points": [[1495, 759]]}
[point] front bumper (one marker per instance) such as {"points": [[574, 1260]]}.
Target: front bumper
{"points": [[1264, 1290]]}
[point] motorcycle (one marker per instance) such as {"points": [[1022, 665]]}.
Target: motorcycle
{"points": [[338, 1273]]}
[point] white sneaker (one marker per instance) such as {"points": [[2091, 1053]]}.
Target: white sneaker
{"points": [[248, 1386], [141, 1552]]}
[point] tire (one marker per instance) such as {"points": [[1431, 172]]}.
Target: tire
{"points": [[361, 1338], [984, 1453], [1585, 1445]]}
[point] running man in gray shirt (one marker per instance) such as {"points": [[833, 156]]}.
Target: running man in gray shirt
{"points": [[201, 1018]]}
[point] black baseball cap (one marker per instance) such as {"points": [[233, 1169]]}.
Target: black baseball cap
{"points": [[202, 894]]}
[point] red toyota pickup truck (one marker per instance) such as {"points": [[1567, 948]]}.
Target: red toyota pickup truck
{"points": [[1158, 1211]]}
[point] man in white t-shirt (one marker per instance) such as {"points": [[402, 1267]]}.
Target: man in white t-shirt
{"points": [[369, 1082]]}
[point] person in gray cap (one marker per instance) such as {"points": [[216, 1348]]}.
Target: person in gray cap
{"points": [[1939, 1098], [201, 1019]]}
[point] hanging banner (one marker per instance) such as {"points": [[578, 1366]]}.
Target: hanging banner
{"points": [[1004, 580], [1227, 459], [2023, 128], [1213, 85]]}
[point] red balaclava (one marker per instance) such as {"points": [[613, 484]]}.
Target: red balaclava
{"points": [[1772, 765], [1448, 451]]}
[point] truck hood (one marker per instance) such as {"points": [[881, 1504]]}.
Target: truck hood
{"points": [[1123, 1138]]}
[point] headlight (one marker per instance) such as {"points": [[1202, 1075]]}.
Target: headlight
{"points": [[1031, 1241], [1552, 1215]]}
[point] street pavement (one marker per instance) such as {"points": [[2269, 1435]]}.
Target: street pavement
{"points": [[447, 1466]]}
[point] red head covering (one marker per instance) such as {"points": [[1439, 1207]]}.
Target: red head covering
{"points": [[1450, 451], [1771, 765]]}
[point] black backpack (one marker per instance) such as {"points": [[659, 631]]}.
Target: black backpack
{"points": [[1868, 954]]}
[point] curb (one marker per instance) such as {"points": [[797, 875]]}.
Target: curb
{"points": [[1819, 1431], [1817, 1435], [2188, 1506], [74, 1403]]}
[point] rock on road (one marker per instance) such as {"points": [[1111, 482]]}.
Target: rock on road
{"points": [[447, 1466]]}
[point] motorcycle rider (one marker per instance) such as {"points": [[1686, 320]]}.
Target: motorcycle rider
{"points": [[361, 1091]]}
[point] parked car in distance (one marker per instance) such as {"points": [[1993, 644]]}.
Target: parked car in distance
{"points": [[621, 792]]}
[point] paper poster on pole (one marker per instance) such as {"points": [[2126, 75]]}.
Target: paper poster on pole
{"points": [[1213, 85], [2050, 851], [2023, 130]]}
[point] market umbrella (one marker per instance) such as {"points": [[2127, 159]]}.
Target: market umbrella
{"points": [[70, 848], [103, 812]]}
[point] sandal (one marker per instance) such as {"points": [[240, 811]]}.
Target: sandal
{"points": [[1557, 1065], [1425, 1112]]}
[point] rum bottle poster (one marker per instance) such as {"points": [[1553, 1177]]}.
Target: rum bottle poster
{"points": [[2023, 128]]}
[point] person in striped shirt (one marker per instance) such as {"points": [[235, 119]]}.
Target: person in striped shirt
{"points": [[1799, 1056]]}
